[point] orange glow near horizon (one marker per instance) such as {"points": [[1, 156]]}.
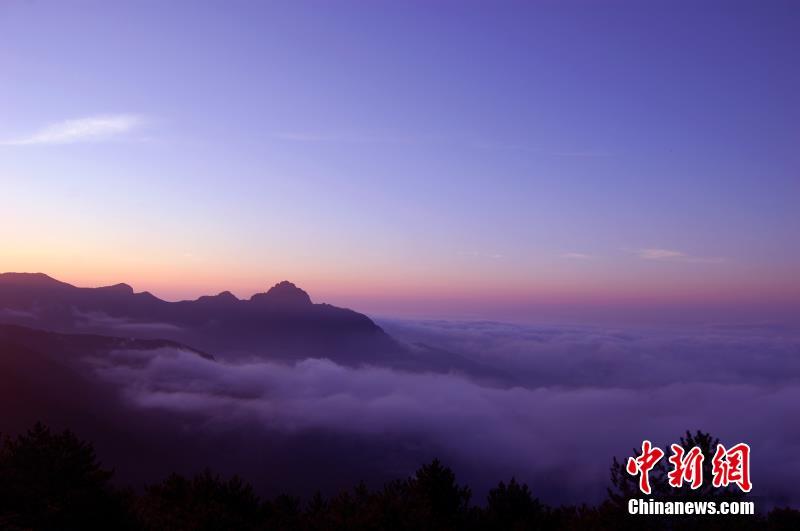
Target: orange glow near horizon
{"points": [[408, 292], [389, 282]]}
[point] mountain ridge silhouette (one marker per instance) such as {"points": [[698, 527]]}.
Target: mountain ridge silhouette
{"points": [[280, 323]]}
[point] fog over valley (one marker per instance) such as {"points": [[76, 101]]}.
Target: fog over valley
{"points": [[550, 405]]}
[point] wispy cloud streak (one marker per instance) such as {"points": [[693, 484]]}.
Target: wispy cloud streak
{"points": [[659, 254], [668, 255], [90, 129]]}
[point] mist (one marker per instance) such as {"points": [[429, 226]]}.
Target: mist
{"points": [[578, 397]]}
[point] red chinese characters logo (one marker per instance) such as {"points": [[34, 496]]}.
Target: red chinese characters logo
{"points": [[644, 464], [732, 466], [729, 466], [686, 466]]}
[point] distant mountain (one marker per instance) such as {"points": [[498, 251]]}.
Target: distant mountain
{"points": [[81, 358], [283, 294], [282, 323]]}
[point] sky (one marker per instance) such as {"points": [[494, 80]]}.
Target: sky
{"points": [[449, 159]]}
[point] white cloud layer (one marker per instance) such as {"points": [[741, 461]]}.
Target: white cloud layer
{"points": [[585, 396], [90, 129]]}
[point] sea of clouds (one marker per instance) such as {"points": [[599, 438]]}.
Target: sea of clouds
{"points": [[571, 398]]}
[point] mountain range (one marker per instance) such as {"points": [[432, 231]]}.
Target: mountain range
{"points": [[101, 360], [281, 323]]}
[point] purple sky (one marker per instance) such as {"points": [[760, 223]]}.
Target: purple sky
{"points": [[447, 158]]}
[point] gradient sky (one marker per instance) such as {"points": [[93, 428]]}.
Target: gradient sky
{"points": [[407, 158]]}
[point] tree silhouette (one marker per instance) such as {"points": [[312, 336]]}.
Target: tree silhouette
{"points": [[54, 481], [205, 502], [436, 497], [512, 506], [284, 512]]}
